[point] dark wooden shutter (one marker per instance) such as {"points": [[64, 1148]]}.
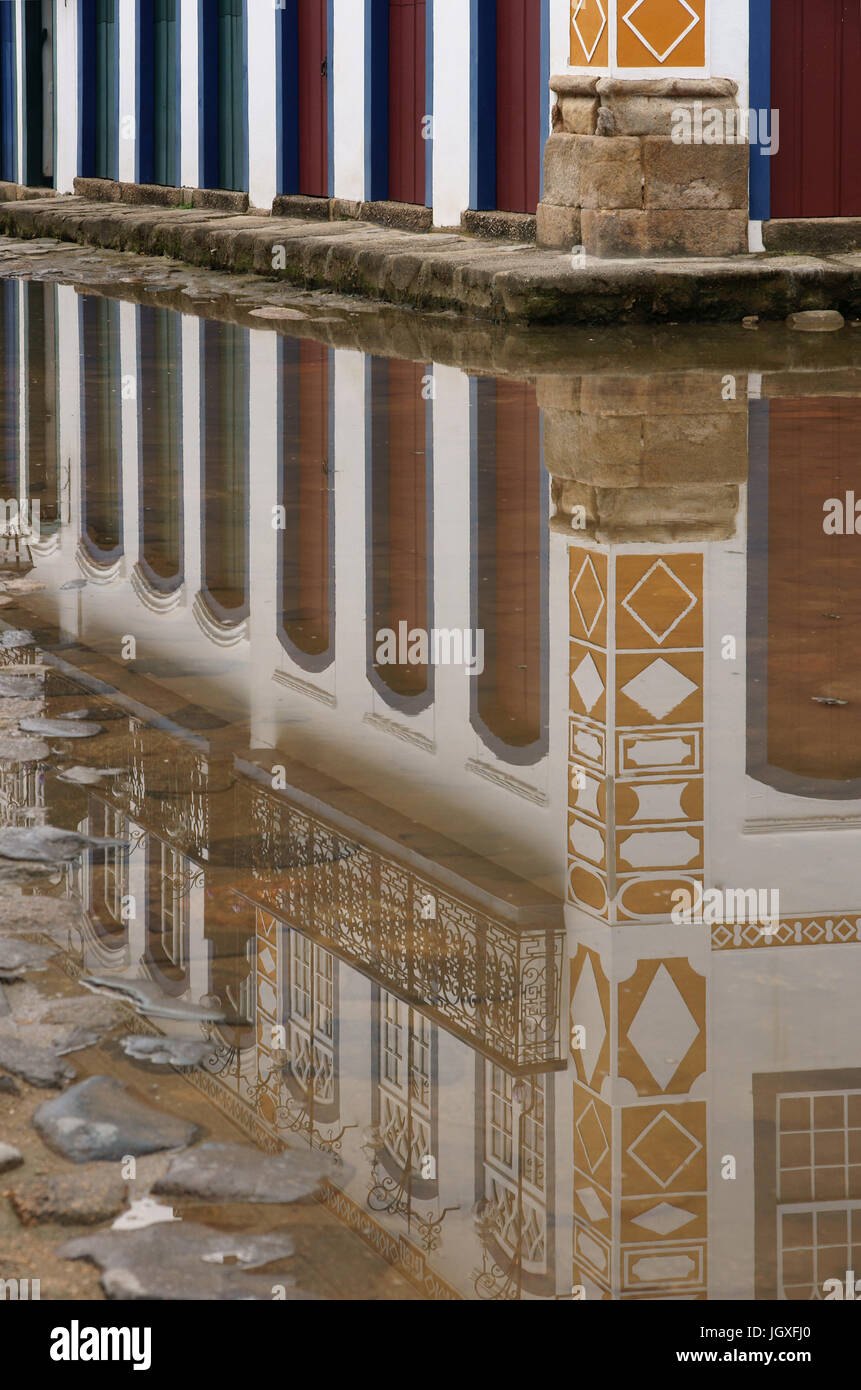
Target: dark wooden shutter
{"points": [[165, 115], [107, 91], [518, 105], [816, 87], [407, 100], [313, 102], [231, 94]]}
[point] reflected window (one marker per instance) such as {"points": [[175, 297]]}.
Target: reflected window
{"points": [[9, 392], [306, 555], [400, 539], [160, 468], [807, 1162], [803, 597], [405, 1103], [167, 915], [43, 460], [311, 1025], [108, 884], [516, 1182], [101, 467], [510, 570], [224, 384]]}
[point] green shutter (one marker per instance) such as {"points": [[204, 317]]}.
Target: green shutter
{"points": [[165, 40], [231, 90], [107, 90]]}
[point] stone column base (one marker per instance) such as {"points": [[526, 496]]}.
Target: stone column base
{"points": [[618, 184]]}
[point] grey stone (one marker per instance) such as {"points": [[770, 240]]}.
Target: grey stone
{"points": [[15, 749], [38, 1066], [16, 637], [562, 182], [60, 728], [89, 776], [49, 844], [19, 956], [21, 688], [10, 1158], [816, 321], [238, 1173], [148, 998], [183, 1261], [84, 1198], [100, 1119], [557, 227], [174, 1052]]}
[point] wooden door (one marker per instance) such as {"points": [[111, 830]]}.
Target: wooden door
{"points": [[407, 100], [306, 561], [106, 90], [313, 97], [518, 105], [7, 92], [231, 94], [400, 539], [509, 575], [34, 101], [816, 87], [165, 114]]}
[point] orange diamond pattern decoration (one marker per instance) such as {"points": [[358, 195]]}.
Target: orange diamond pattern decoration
{"points": [[589, 33], [661, 33], [664, 1149]]}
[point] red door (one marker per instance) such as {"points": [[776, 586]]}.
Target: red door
{"points": [[407, 104], [313, 99], [518, 105], [816, 87]]}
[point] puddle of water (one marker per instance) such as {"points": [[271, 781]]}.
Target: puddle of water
{"points": [[428, 687]]}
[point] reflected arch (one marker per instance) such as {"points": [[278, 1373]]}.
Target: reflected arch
{"points": [[509, 570]]}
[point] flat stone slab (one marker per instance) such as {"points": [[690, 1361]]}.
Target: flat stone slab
{"points": [[21, 688], [60, 728], [148, 998], [38, 1066], [15, 748], [16, 637], [816, 321], [181, 1261], [238, 1173], [172, 1052], [17, 957], [100, 1119], [10, 1158], [437, 273], [84, 1198], [50, 844], [89, 776]]}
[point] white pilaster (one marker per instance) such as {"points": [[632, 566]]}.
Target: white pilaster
{"points": [[262, 79]]}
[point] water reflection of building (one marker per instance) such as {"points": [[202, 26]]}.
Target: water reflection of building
{"points": [[391, 959]]}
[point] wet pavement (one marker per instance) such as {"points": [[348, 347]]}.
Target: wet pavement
{"points": [[376, 695]]}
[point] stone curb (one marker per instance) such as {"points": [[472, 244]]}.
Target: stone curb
{"points": [[444, 273]]}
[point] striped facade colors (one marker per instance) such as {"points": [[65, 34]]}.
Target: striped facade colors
{"points": [[443, 104]]}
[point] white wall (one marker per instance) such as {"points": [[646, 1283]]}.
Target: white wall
{"points": [[262, 89], [189, 115], [451, 111], [349, 97]]}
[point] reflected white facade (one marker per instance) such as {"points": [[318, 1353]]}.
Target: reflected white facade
{"points": [[438, 913]]}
